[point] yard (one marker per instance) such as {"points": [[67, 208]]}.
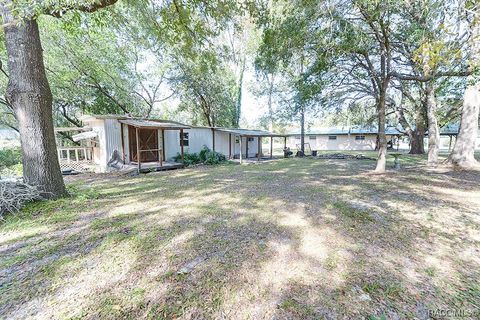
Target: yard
{"points": [[294, 238]]}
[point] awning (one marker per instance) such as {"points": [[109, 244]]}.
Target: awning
{"points": [[85, 135], [250, 133], [68, 129], [150, 124]]}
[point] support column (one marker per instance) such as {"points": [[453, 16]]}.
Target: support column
{"points": [[138, 149], [246, 147], [285, 143], [159, 151], [259, 151], [163, 144], [271, 147], [229, 146], [213, 139], [123, 143], [240, 149], [181, 145]]}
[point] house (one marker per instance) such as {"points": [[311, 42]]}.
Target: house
{"points": [[342, 138], [108, 142], [364, 138]]}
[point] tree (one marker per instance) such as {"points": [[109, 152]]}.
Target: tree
{"points": [[463, 152], [207, 89], [431, 44], [29, 93], [291, 48]]}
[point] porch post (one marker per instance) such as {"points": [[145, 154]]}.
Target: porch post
{"points": [[163, 144], [181, 144], [213, 139], [240, 149], [259, 151], [271, 147], [246, 147], [229, 146], [138, 149], [159, 151], [123, 143], [285, 142]]}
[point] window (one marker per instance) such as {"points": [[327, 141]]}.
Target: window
{"points": [[250, 139], [359, 137], [313, 138], [332, 137], [185, 139], [297, 137], [237, 139]]}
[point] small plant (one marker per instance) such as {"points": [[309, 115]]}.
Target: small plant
{"points": [[10, 162], [188, 158], [210, 157], [205, 156]]}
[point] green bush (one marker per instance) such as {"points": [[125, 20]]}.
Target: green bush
{"points": [[10, 157], [212, 157], [188, 158], [205, 156], [10, 161]]}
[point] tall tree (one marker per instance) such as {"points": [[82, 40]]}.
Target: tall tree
{"points": [[29, 93], [463, 152], [291, 47]]}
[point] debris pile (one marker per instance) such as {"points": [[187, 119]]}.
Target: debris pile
{"points": [[14, 195], [344, 156]]}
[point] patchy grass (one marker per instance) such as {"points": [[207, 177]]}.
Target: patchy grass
{"points": [[294, 238]]}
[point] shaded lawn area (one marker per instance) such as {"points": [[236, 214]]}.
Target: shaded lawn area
{"points": [[294, 238]]}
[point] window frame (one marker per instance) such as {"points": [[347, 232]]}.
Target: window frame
{"points": [[360, 137], [186, 139]]}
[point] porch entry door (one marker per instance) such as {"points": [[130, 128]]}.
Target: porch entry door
{"points": [[148, 140]]}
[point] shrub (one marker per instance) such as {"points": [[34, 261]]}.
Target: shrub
{"points": [[188, 158], [205, 156], [10, 162], [212, 157], [10, 157]]}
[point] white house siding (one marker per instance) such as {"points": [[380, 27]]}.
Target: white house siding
{"points": [[252, 147], [113, 137], [99, 152], [172, 144], [342, 142], [221, 142], [197, 138]]}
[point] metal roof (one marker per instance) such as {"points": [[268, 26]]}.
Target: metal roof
{"points": [[85, 135], [249, 132], [152, 124]]}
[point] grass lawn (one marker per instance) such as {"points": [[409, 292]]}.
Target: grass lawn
{"points": [[294, 238]]}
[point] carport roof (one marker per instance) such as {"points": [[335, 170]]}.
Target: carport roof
{"points": [[249, 133], [153, 124]]}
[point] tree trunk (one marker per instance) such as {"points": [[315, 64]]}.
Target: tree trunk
{"points": [[302, 130], [29, 93], [238, 104], [416, 141], [462, 155], [433, 129], [415, 135], [382, 137], [270, 107], [417, 145]]}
